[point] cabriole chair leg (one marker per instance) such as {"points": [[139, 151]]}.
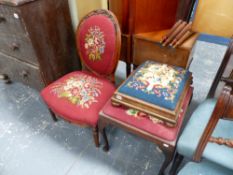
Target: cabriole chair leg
{"points": [[169, 153], [53, 115], [95, 131], [176, 163]]}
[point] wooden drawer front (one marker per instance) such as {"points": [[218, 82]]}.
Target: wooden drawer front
{"points": [[11, 22], [148, 50], [20, 71], [18, 47]]}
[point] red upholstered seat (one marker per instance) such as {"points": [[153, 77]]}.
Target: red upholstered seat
{"points": [[78, 96], [145, 123]]}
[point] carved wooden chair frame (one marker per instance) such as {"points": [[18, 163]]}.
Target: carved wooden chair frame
{"points": [[111, 77], [222, 110], [112, 17]]}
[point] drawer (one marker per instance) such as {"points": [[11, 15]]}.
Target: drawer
{"points": [[21, 71], [11, 22], [148, 50], [18, 47]]}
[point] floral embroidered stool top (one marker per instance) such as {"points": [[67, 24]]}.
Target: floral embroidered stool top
{"points": [[78, 96], [157, 83], [156, 89], [145, 122]]}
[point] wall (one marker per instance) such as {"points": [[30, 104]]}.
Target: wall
{"points": [[80, 8]]}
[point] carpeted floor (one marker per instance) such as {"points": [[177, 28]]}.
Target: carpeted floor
{"points": [[31, 143]]}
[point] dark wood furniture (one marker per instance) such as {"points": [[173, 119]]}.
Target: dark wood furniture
{"points": [[79, 96], [143, 16], [36, 41], [222, 110], [147, 46], [127, 123]]}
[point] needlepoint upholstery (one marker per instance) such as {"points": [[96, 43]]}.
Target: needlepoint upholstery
{"points": [[145, 122], [97, 43], [78, 96], [157, 83]]}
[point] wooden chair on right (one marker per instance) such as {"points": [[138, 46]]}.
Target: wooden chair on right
{"points": [[210, 122]]}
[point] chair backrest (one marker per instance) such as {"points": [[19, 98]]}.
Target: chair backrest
{"points": [[219, 76], [223, 109], [214, 17], [98, 40]]}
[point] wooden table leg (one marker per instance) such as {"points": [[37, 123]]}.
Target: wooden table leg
{"points": [[176, 163], [102, 124], [169, 153], [95, 132]]}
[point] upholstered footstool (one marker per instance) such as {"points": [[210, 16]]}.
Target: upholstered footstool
{"points": [[145, 126]]}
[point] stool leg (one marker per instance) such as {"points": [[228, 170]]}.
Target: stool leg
{"points": [[53, 115], [95, 132], [176, 163], [169, 153], [106, 145], [102, 124]]}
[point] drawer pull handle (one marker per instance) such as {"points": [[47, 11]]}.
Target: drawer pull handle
{"points": [[14, 46], [5, 78], [2, 19], [24, 74]]}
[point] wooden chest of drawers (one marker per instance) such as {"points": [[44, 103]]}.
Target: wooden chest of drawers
{"points": [[36, 41]]}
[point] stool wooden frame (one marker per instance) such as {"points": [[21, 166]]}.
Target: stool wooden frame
{"points": [[167, 147]]}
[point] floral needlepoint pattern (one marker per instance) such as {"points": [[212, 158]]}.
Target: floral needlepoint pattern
{"points": [[80, 90], [139, 115], [94, 43], [157, 79]]}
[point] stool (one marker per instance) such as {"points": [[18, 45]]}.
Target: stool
{"points": [[165, 137]]}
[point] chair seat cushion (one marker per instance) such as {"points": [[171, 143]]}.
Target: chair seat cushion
{"points": [[145, 122], [189, 140], [204, 167], [78, 96]]}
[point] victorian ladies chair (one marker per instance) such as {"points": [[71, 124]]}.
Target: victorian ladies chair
{"points": [[78, 96]]}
